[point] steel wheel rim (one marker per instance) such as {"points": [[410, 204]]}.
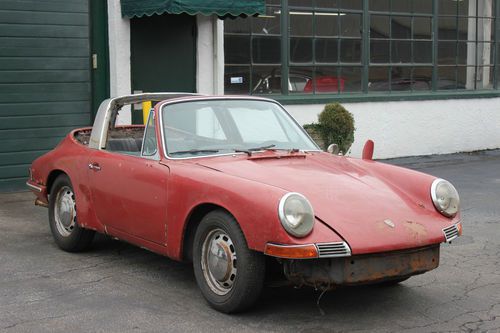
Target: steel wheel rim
{"points": [[218, 261], [65, 211]]}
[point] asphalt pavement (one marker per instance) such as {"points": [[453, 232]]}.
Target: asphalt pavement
{"points": [[116, 287]]}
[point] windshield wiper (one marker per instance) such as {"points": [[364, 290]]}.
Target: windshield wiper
{"points": [[194, 151], [250, 150]]}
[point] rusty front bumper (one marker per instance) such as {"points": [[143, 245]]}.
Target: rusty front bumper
{"points": [[361, 269]]}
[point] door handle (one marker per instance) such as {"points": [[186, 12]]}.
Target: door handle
{"points": [[94, 166]]}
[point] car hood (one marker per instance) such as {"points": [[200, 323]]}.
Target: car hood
{"points": [[373, 213]]}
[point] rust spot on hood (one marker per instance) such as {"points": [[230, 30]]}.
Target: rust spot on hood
{"points": [[417, 230]]}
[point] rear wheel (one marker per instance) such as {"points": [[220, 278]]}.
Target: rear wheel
{"points": [[63, 220], [229, 275]]}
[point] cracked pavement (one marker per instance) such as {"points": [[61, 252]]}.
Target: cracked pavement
{"points": [[116, 287]]}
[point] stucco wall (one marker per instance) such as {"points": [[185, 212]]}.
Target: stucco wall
{"points": [[419, 127]]}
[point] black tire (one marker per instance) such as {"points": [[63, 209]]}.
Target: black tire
{"points": [[248, 267], [64, 227]]}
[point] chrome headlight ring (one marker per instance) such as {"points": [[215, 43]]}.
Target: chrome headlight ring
{"points": [[296, 214], [445, 197]]}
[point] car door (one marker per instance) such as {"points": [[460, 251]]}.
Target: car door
{"points": [[129, 189]]}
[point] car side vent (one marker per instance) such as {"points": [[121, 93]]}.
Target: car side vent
{"points": [[329, 250], [450, 233]]}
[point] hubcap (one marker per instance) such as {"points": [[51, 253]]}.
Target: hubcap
{"points": [[218, 261], [65, 211]]}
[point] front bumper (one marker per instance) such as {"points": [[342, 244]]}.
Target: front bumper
{"points": [[361, 269]]}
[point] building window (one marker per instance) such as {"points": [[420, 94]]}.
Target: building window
{"points": [[400, 46], [252, 50], [325, 46], [317, 47], [466, 44]]}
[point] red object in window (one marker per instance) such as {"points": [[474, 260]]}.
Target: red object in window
{"points": [[325, 84]]}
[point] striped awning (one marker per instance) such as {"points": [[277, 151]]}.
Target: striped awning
{"points": [[221, 8]]}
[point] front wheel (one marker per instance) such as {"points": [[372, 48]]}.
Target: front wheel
{"points": [[229, 275], [62, 217]]}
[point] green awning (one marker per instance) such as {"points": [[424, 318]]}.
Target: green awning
{"points": [[221, 8]]}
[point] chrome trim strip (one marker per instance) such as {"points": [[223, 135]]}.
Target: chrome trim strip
{"points": [[34, 187], [433, 194], [333, 250], [205, 98], [156, 155]]}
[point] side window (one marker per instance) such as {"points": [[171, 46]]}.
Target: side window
{"points": [[124, 138], [149, 143]]}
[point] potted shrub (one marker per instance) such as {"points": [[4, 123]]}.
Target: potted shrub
{"points": [[335, 125]]}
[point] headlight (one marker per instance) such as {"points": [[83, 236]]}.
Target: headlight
{"points": [[296, 214], [445, 197]]}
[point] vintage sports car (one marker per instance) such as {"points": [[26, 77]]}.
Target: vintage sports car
{"points": [[236, 186]]}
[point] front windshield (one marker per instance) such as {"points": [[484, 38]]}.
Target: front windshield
{"points": [[221, 126]]}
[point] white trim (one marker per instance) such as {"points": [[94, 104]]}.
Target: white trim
{"points": [[210, 55], [119, 57], [34, 187], [204, 55], [218, 57]]}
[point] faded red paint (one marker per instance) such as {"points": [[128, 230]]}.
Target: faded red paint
{"points": [[148, 202]]}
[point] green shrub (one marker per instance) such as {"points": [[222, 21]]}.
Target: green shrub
{"points": [[335, 125]]}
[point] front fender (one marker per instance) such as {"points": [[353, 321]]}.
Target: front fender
{"points": [[254, 205]]}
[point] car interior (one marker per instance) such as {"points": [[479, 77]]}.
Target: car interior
{"points": [[125, 140]]}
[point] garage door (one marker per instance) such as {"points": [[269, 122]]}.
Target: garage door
{"points": [[44, 80]]}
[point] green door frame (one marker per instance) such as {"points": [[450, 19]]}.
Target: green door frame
{"points": [[161, 63], [99, 53]]}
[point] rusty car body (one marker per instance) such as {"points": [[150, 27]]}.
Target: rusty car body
{"points": [[236, 186]]}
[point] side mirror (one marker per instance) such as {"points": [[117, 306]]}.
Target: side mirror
{"points": [[368, 150], [333, 149]]}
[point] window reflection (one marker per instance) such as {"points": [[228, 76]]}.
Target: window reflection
{"points": [[326, 50], [324, 43], [380, 26]]}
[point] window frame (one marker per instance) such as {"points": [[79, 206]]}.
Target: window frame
{"points": [[163, 136], [151, 119], [364, 94]]}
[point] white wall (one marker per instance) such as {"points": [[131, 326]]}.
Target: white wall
{"points": [[204, 55], [119, 56], [209, 55], [414, 128]]}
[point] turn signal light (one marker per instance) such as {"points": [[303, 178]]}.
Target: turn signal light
{"points": [[459, 228], [292, 251]]}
